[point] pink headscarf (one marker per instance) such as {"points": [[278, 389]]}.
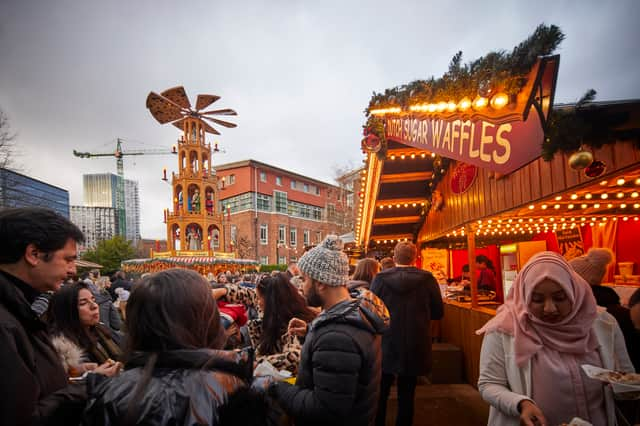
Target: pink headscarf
{"points": [[573, 334]]}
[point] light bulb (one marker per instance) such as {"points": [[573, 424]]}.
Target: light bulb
{"points": [[499, 101]]}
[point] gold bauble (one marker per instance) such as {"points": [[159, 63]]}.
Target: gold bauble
{"points": [[580, 159]]}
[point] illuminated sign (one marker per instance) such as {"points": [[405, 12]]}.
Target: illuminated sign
{"points": [[500, 139]]}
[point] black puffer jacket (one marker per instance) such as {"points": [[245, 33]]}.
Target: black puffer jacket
{"points": [[339, 373], [413, 298], [186, 387]]}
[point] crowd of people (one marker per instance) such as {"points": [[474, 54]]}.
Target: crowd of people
{"points": [[180, 348]]}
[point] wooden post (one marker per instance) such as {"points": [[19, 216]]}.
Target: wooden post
{"points": [[471, 251]]}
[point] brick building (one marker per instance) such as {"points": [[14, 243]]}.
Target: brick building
{"points": [[274, 213], [351, 191]]}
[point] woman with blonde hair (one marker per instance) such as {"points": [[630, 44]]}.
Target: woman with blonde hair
{"points": [[533, 348], [109, 314]]}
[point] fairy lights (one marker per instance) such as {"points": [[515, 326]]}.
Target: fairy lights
{"points": [[382, 111], [513, 226]]}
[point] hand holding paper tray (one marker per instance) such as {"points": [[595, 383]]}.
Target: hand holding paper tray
{"points": [[622, 383], [265, 368]]}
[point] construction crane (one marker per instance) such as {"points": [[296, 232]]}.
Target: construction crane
{"points": [[119, 153]]}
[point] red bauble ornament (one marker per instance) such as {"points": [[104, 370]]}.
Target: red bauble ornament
{"points": [[595, 169], [371, 143]]}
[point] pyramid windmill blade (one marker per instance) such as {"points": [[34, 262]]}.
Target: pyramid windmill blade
{"points": [[220, 122], [179, 124], [204, 101], [163, 109], [178, 96], [226, 111], [208, 128]]}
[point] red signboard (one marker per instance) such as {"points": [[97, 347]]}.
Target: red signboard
{"points": [[502, 141], [463, 177], [501, 147]]}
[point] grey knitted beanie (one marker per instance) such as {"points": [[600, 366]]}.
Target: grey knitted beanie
{"points": [[326, 262]]}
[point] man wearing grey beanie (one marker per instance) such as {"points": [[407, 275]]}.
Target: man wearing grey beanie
{"points": [[339, 374]]}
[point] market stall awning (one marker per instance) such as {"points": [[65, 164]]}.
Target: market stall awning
{"points": [[86, 264], [192, 260], [398, 187]]}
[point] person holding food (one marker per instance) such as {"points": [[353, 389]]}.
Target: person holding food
{"points": [[176, 373], [74, 318], [533, 349]]}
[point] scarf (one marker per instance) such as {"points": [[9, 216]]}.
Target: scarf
{"points": [[572, 335]]}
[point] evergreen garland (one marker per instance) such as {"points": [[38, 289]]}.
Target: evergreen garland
{"points": [[496, 72], [569, 129]]}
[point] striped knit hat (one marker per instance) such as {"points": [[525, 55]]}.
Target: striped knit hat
{"points": [[326, 263]]}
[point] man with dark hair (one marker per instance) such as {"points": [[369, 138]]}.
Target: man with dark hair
{"points": [[413, 299], [339, 373], [37, 253]]}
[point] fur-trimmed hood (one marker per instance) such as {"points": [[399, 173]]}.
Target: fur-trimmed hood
{"points": [[69, 353]]}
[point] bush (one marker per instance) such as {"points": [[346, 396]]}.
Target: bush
{"points": [[269, 268]]}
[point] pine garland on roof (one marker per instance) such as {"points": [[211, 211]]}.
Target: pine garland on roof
{"points": [[498, 71], [569, 129]]}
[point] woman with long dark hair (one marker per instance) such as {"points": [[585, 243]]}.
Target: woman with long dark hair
{"points": [[278, 301], [74, 317], [175, 372]]}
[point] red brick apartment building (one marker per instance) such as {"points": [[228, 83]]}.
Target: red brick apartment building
{"points": [[274, 213], [351, 183]]}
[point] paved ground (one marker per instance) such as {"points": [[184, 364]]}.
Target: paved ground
{"points": [[437, 405]]}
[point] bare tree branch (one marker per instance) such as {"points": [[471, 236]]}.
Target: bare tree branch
{"points": [[7, 143]]}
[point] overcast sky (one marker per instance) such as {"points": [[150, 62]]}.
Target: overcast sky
{"points": [[75, 74]]}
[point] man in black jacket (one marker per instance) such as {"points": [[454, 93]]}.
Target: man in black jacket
{"points": [[339, 374], [119, 281], [413, 299], [37, 253]]}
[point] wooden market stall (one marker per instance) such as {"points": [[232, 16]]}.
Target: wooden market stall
{"points": [[201, 264], [505, 176]]}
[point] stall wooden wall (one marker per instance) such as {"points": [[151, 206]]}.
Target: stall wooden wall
{"points": [[539, 179], [459, 326]]}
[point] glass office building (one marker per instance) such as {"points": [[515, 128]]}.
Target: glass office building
{"points": [[18, 190], [100, 190]]}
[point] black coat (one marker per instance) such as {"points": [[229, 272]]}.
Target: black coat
{"points": [[339, 374], [413, 299], [117, 284], [33, 382], [186, 387]]}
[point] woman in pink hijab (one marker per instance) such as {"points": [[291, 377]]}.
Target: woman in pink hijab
{"points": [[533, 348]]}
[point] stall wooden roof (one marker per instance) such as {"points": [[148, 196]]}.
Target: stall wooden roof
{"points": [[396, 191]]}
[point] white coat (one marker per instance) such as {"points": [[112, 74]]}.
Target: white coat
{"points": [[503, 384]]}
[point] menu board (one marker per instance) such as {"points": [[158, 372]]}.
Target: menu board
{"points": [[570, 243], [436, 261]]}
